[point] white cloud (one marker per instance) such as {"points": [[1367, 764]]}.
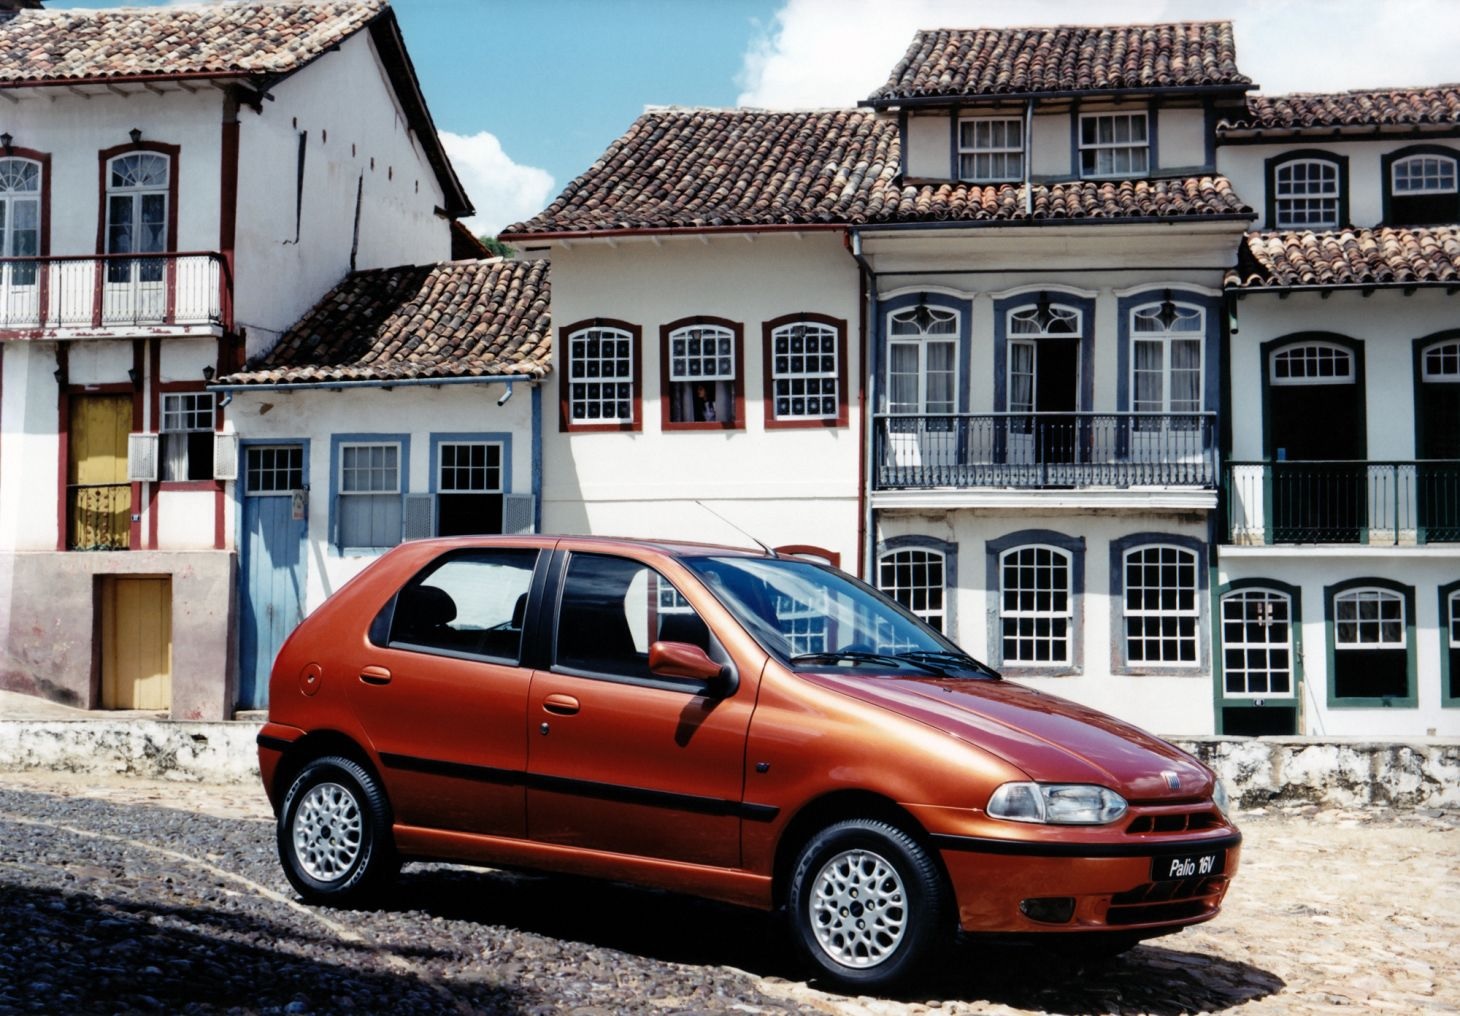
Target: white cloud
{"points": [[834, 52], [502, 191]]}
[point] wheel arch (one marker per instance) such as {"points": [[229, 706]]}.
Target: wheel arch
{"points": [[319, 744]]}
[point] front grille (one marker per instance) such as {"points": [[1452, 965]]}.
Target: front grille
{"points": [[1180, 822], [1167, 901]]}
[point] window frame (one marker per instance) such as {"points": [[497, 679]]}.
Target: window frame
{"points": [[667, 392], [1390, 163], [1449, 601], [42, 162], [1405, 595], [1244, 589], [1165, 339], [440, 440], [1270, 371], [768, 374], [921, 343], [1073, 549], [172, 390], [1272, 166], [1095, 147], [106, 157], [948, 552], [566, 333], [338, 444], [1120, 550], [973, 151]]}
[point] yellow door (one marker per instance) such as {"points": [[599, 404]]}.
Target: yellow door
{"points": [[136, 636], [100, 497]]}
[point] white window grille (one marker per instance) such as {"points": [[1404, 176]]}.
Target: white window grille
{"points": [[1166, 358], [137, 215], [923, 362], [1257, 644], [1442, 362], [1424, 174], [1161, 610], [601, 376], [1306, 194], [1368, 619], [702, 374], [1114, 145], [370, 508], [187, 436], [991, 150], [1312, 364], [276, 470], [805, 375], [20, 219], [915, 577], [1035, 606]]}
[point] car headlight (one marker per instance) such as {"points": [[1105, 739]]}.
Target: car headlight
{"points": [[1220, 798], [1056, 803]]}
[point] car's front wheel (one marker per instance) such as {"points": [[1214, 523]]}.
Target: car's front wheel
{"points": [[334, 833], [867, 903]]}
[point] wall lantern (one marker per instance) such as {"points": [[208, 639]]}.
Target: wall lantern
{"points": [[136, 135], [5, 142]]}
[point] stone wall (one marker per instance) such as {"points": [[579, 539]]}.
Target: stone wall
{"points": [[1258, 772]]}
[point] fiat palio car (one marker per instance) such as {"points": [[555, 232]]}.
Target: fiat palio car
{"points": [[742, 726]]}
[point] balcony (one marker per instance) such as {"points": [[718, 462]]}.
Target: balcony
{"points": [[1343, 502], [99, 516], [66, 297], [1045, 450]]}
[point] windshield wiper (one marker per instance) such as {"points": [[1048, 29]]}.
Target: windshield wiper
{"points": [[943, 657], [854, 656]]}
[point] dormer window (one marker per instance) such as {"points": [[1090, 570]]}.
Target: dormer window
{"points": [[1114, 145], [991, 150], [1306, 194], [1422, 187]]}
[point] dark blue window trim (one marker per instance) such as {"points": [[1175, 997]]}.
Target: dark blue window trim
{"points": [[1118, 549], [1211, 354], [994, 550]]}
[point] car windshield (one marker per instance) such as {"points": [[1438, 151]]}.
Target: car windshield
{"points": [[811, 616]]}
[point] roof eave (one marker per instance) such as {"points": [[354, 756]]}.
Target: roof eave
{"points": [[1332, 287], [1234, 90], [633, 231]]}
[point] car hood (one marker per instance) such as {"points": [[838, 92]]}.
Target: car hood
{"points": [[1051, 739]]}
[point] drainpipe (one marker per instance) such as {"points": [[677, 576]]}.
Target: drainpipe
{"points": [[867, 535], [1028, 156]]}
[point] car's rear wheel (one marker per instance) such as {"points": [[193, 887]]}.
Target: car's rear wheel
{"points": [[334, 833], [867, 903]]}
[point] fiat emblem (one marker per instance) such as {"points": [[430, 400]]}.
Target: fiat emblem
{"points": [[1172, 780]]}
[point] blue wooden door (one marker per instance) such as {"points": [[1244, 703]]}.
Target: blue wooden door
{"points": [[273, 569]]}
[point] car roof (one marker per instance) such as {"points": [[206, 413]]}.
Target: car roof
{"points": [[671, 548]]}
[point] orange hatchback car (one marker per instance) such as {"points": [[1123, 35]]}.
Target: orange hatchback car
{"points": [[752, 728]]}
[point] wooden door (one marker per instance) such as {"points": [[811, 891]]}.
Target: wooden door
{"points": [[99, 498], [274, 562], [136, 634]]}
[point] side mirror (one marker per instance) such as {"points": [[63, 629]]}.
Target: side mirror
{"points": [[682, 659]]}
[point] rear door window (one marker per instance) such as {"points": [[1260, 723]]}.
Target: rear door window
{"points": [[468, 603]]}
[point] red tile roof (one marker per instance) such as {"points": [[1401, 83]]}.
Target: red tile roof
{"points": [[1371, 107], [452, 320], [1389, 256], [707, 168], [215, 39], [952, 62]]}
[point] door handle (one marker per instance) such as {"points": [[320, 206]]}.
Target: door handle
{"points": [[375, 675], [563, 705]]}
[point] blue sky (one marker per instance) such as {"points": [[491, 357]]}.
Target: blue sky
{"points": [[528, 93]]}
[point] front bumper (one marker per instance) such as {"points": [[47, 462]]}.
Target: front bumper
{"points": [[1110, 885]]}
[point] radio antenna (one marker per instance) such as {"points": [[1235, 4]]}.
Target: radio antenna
{"points": [[752, 539]]}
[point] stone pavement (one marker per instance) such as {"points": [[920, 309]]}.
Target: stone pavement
{"points": [[1333, 912]]}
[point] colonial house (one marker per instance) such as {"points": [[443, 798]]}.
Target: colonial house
{"points": [[1338, 582], [177, 186], [385, 413], [967, 338]]}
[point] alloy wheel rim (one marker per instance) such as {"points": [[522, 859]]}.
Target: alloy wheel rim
{"points": [[859, 909], [329, 832]]}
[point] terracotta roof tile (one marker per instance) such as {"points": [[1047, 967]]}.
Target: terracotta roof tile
{"points": [[950, 62], [688, 169], [1389, 256], [223, 39], [1374, 107], [457, 319]]}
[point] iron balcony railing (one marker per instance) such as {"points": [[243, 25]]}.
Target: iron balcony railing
{"points": [[1415, 501], [100, 516], [113, 290], [1031, 450]]}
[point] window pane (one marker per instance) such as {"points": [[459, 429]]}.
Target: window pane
{"points": [[470, 603]]}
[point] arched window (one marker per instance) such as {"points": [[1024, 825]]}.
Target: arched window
{"points": [[1441, 362], [1312, 363], [601, 376], [1306, 194], [922, 363], [1166, 357], [1026, 326], [702, 358], [137, 214], [1422, 187], [1161, 606], [1257, 644], [20, 218], [917, 578], [1035, 606], [804, 365], [1370, 632]]}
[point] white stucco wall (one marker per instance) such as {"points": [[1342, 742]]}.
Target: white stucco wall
{"points": [[356, 132], [927, 146], [29, 446], [796, 486], [316, 416], [1181, 136], [1245, 166]]}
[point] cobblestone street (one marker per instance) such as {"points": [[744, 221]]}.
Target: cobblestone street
{"points": [[137, 896]]}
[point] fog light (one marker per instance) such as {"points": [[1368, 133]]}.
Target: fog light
{"points": [[1049, 910]]}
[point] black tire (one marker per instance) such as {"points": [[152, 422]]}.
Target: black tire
{"points": [[334, 833], [868, 904]]}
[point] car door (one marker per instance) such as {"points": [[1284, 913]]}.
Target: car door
{"points": [[441, 696], [621, 760]]}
